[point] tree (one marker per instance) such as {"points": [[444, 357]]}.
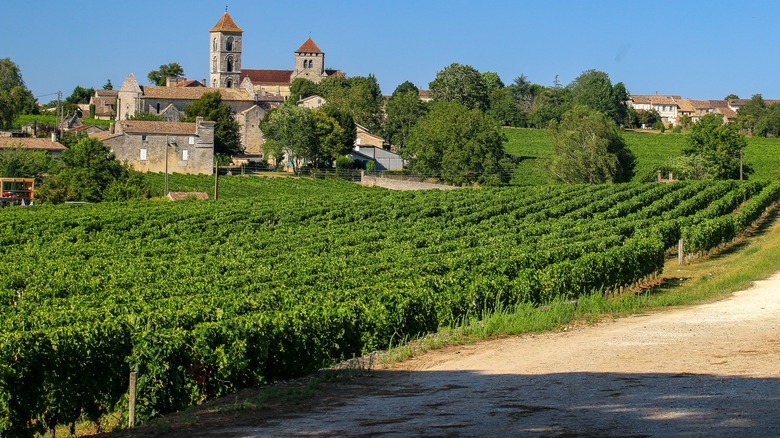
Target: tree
{"points": [[358, 95], [459, 145], [88, 168], [403, 110], [731, 96], [589, 149], [145, 116], [210, 106], [160, 76], [346, 139], [717, 143], [505, 109], [750, 114], [15, 98], [301, 88], [492, 81], [108, 85], [594, 89], [26, 163], [80, 95], [462, 84], [290, 131]]}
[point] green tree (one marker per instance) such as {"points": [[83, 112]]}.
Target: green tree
{"points": [[594, 89], [348, 134], [589, 149], [80, 95], [26, 163], [329, 141], [108, 85], [504, 108], [749, 115], [301, 88], [459, 145], [769, 122], [226, 138], [160, 76], [15, 98], [88, 167], [462, 84], [145, 116], [731, 96], [492, 81], [403, 110], [290, 132], [358, 95], [716, 143]]}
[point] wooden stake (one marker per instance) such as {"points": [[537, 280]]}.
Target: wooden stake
{"points": [[680, 253], [131, 402]]}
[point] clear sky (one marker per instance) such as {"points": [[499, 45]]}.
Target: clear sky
{"points": [[696, 49]]}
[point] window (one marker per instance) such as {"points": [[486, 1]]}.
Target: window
{"points": [[214, 44], [143, 154], [192, 139], [229, 44], [185, 155], [158, 107], [143, 137], [214, 64], [230, 63], [229, 83]]}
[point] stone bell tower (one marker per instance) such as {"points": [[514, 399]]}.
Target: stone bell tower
{"points": [[225, 53]]}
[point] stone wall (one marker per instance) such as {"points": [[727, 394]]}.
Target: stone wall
{"points": [[401, 183]]}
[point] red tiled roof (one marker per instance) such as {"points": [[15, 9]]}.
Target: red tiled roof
{"points": [[143, 127], [30, 143], [308, 47], [226, 24], [280, 77]]}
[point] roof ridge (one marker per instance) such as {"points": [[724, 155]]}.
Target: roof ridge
{"points": [[309, 46]]}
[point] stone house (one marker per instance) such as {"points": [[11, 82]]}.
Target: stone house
{"points": [[666, 106], [169, 102], [153, 146], [49, 145], [312, 102], [105, 103], [366, 138]]}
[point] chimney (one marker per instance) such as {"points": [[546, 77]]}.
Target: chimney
{"points": [[198, 120]]}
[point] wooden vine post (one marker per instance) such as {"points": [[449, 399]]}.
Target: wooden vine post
{"points": [[680, 253], [131, 401]]}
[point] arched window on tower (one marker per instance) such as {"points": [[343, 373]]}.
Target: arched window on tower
{"points": [[214, 44], [230, 63], [229, 83], [229, 44], [214, 64], [214, 83]]}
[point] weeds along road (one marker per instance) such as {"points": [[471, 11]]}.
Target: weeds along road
{"points": [[706, 370]]}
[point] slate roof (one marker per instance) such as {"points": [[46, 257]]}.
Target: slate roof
{"points": [[226, 24], [144, 127], [44, 144], [308, 47]]}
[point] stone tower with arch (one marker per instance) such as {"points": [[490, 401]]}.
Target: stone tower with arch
{"points": [[309, 63], [225, 53]]}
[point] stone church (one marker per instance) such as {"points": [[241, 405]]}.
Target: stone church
{"points": [[249, 93]]}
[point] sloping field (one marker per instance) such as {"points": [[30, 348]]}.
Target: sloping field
{"points": [[282, 276]]}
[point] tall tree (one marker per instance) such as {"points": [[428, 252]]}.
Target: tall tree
{"points": [[108, 85], [717, 143], [459, 145], [462, 84], [493, 81], [210, 106], [594, 89], [160, 76], [15, 98], [358, 95], [80, 95], [301, 88], [290, 132], [404, 109], [749, 115], [589, 149]]}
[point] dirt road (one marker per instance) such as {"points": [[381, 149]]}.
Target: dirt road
{"points": [[708, 370]]}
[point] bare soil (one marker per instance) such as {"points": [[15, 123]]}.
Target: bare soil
{"points": [[705, 370]]}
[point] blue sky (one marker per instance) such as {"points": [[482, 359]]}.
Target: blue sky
{"points": [[696, 49]]}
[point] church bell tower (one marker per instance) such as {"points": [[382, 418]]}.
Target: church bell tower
{"points": [[225, 53]]}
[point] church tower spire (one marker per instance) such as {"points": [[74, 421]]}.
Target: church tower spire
{"points": [[225, 53]]}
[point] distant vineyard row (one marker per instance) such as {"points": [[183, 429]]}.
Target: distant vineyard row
{"points": [[283, 276]]}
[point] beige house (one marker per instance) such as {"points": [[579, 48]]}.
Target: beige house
{"points": [[49, 145], [157, 146], [366, 138], [312, 102], [105, 103], [666, 106]]}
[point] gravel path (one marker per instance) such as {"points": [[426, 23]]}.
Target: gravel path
{"points": [[708, 370]]}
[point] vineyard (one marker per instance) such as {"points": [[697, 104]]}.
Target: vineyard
{"points": [[282, 276]]}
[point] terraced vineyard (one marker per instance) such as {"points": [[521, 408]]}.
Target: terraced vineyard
{"points": [[280, 277]]}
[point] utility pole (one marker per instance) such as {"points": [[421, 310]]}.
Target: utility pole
{"points": [[59, 114]]}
